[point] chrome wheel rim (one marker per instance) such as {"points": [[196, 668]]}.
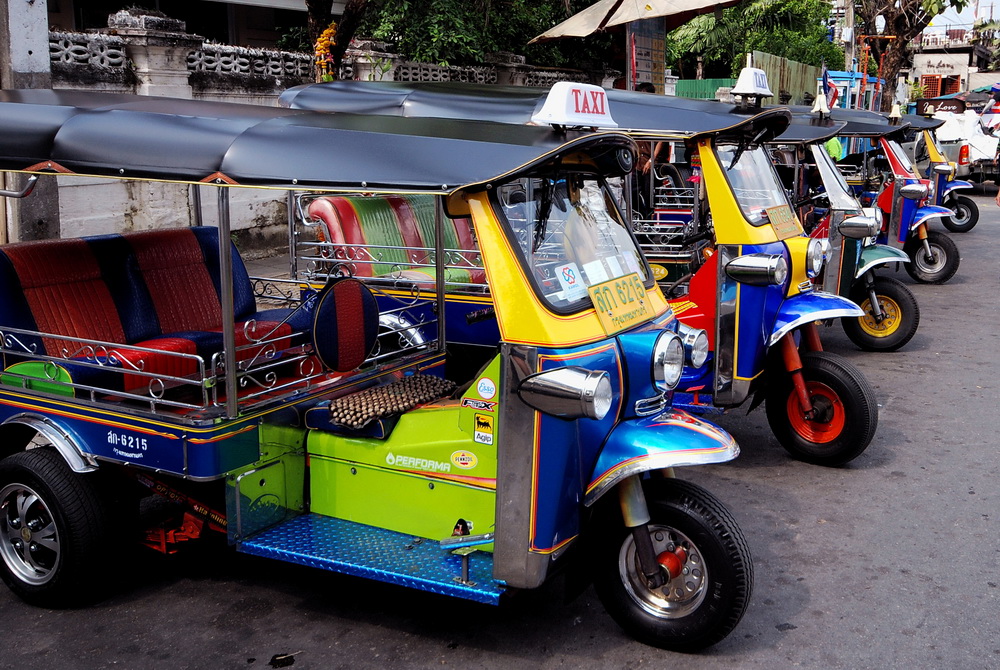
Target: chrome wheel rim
{"points": [[30, 540], [680, 596], [930, 265]]}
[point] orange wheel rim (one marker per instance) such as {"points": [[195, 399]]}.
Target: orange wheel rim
{"points": [[831, 415]]}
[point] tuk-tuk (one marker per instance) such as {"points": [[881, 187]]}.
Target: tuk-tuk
{"points": [[829, 210], [324, 423], [931, 162], [883, 176], [819, 406]]}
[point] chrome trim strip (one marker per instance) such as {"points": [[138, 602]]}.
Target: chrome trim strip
{"points": [[76, 458]]}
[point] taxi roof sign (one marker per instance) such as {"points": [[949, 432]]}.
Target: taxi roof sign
{"points": [[572, 104], [752, 83]]}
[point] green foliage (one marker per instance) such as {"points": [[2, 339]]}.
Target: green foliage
{"points": [[460, 32], [294, 39], [794, 29]]}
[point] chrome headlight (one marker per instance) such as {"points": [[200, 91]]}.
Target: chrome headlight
{"points": [[815, 255], [668, 360], [758, 269], [914, 191], [570, 392], [695, 344]]}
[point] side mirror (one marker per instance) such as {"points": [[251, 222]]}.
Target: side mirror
{"points": [[944, 168], [914, 191], [859, 227]]}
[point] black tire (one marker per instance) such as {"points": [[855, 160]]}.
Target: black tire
{"points": [[45, 504], [848, 411], [899, 308], [965, 214], [703, 606], [935, 270]]}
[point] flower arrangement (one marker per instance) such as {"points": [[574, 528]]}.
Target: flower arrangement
{"points": [[321, 51]]}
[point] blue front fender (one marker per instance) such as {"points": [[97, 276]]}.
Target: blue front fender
{"points": [[953, 185], [670, 439], [929, 212], [808, 307]]}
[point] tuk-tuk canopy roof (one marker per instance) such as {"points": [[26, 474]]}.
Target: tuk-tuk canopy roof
{"points": [[135, 136], [631, 110], [857, 122]]}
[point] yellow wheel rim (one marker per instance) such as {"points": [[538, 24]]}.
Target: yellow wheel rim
{"points": [[891, 321]]}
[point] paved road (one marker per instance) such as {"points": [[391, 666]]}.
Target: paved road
{"points": [[891, 562]]}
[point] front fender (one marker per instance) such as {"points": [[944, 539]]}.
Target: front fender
{"points": [[953, 185], [924, 214], [879, 254], [670, 439], [808, 307]]}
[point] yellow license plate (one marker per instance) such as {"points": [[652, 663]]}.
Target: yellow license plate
{"points": [[621, 303]]}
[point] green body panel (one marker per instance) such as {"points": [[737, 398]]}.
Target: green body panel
{"points": [[39, 381], [271, 490], [421, 480]]}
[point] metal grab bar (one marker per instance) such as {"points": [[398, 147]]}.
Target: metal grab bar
{"points": [[24, 192]]}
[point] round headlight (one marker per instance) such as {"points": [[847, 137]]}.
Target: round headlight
{"points": [[602, 397], [695, 344], [668, 360], [815, 254]]}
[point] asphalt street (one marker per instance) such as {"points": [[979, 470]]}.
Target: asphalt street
{"points": [[889, 562]]}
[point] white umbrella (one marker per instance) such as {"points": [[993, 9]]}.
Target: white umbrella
{"points": [[607, 13]]}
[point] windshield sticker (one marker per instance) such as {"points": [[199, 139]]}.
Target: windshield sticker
{"points": [[595, 272], [616, 267], [571, 281], [783, 220]]}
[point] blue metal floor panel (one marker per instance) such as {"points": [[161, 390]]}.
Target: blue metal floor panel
{"points": [[364, 551]]}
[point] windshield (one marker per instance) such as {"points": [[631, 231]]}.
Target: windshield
{"points": [[900, 155], [754, 181], [837, 190], [571, 236]]}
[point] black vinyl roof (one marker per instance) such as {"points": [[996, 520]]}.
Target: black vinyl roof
{"points": [[506, 104], [189, 140]]}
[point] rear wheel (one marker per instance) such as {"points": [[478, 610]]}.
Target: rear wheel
{"points": [[53, 530], [964, 214], [936, 268], [845, 410], [900, 316], [706, 561]]}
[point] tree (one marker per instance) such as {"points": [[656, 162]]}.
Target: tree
{"points": [[794, 29], [904, 20], [319, 16]]}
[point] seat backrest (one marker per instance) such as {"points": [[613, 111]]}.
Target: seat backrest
{"points": [[345, 324], [62, 286]]}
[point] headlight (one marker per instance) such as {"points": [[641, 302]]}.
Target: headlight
{"points": [[668, 360], [570, 392], [758, 269], [944, 168], [815, 255], [695, 344]]}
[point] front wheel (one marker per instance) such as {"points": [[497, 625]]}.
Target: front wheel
{"points": [[696, 539], [53, 530], [964, 214], [900, 316], [845, 410], [937, 268]]}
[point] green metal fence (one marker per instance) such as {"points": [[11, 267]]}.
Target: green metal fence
{"points": [[703, 89]]}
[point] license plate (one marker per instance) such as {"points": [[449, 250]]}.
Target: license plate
{"points": [[621, 303]]}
